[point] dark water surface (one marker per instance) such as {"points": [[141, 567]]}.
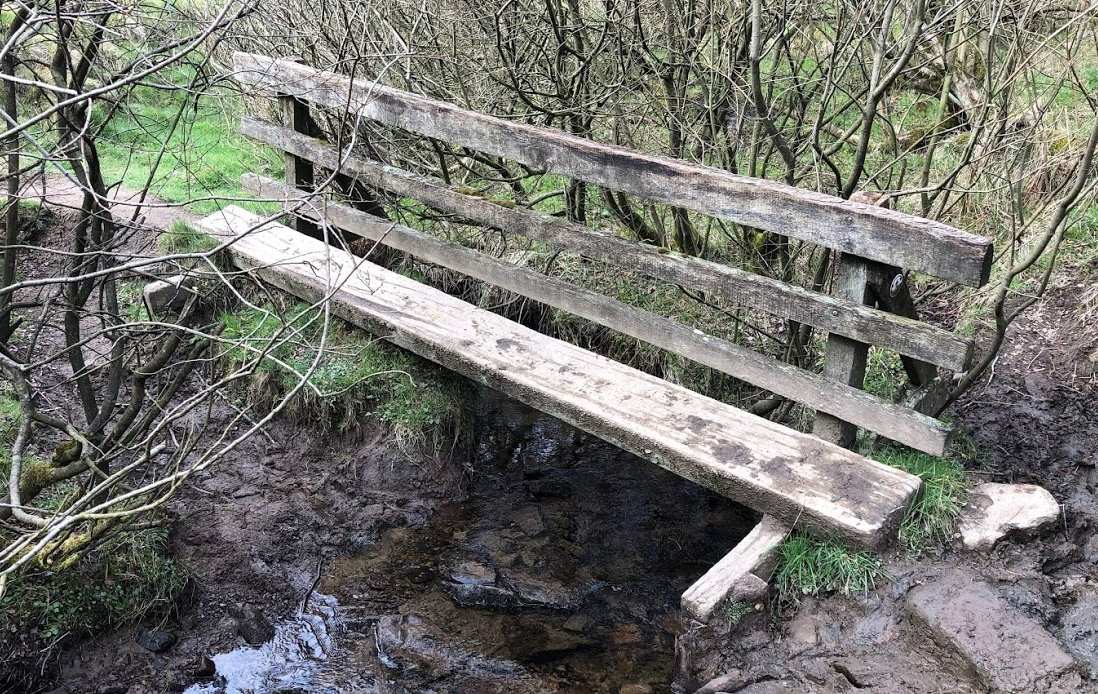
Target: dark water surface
{"points": [[560, 571]]}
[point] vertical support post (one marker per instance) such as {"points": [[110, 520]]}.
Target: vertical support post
{"points": [[299, 171], [846, 358]]}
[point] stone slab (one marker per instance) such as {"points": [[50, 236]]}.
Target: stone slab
{"points": [[1008, 651]]}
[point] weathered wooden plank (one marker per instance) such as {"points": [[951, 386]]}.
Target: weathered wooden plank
{"points": [[795, 477], [873, 413], [845, 358], [854, 320], [864, 230], [742, 573]]}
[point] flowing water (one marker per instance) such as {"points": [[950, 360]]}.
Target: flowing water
{"points": [[559, 571]]}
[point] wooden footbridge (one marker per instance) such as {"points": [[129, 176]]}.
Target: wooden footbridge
{"points": [[795, 479]]}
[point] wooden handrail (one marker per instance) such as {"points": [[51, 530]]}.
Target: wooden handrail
{"points": [[866, 231], [834, 315]]}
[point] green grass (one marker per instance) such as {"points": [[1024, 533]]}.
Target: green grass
{"points": [[884, 373], [181, 237], [204, 157], [358, 376], [131, 301], [810, 566], [930, 520]]}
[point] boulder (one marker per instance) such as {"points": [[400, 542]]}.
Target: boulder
{"points": [[997, 510]]}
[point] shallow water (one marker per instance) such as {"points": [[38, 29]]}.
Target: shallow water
{"points": [[559, 571]]}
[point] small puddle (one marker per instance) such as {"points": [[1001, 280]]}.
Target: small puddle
{"points": [[290, 662], [560, 571]]}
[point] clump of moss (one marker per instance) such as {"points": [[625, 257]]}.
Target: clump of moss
{"points": [[930, 519], [356, 377], [181, 237], [735, 610], [128, 577], [811, 566]]}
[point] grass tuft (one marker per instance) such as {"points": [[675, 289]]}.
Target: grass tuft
{"points": [[357, 377], [809, 566], [931, 518], [181, 237]]}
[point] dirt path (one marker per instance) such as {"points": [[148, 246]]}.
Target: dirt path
{"points": [[64, 193]]}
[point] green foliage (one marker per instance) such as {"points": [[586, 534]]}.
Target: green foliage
{"points": [[204, 154], [10, 416], [931, 518], [884, 373], [131, 301], [181, 237], [127, 578], [810, 566], [357, 375]]}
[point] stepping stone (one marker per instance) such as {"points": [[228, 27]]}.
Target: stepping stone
{"points": [[997, 510], [1008, 651]]}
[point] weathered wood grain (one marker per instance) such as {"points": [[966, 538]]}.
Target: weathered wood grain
{"points": [[795, 477], [740, 575], [868, 411], [864, 230], [834, 315], [845, 359]]}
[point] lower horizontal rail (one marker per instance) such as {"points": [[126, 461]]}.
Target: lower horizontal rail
{"points": [[850, 404]]}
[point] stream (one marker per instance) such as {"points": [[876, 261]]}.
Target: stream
{"points": [[559, 571]]}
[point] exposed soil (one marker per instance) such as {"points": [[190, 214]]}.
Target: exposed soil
{"points": [[545, 560], [1036, 418]]}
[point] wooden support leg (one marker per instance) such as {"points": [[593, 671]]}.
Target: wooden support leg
{"points": [[845, 357], [741, 575]]}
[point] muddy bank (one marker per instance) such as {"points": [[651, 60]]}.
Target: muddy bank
{"points": [[1034, 420], [540, 560]]}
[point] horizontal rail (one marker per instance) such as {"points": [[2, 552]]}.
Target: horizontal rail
{"points": [[853, 405], [867, 231], [859, 322], [800, 480]]}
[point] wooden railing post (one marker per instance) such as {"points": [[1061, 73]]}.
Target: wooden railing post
{"points": [[845, 358], [299, 171]]}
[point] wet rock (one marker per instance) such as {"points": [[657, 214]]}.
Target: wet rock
{"points": [[411, 643], [577, 623], [204, 669], [626, 634], [476, 584], [803, 633], [1079, 629], [529, 520], [254, 627], [728, 682], [1090, 550], [155, 640], [997, 510], [772, 687], [1010, 652]]}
